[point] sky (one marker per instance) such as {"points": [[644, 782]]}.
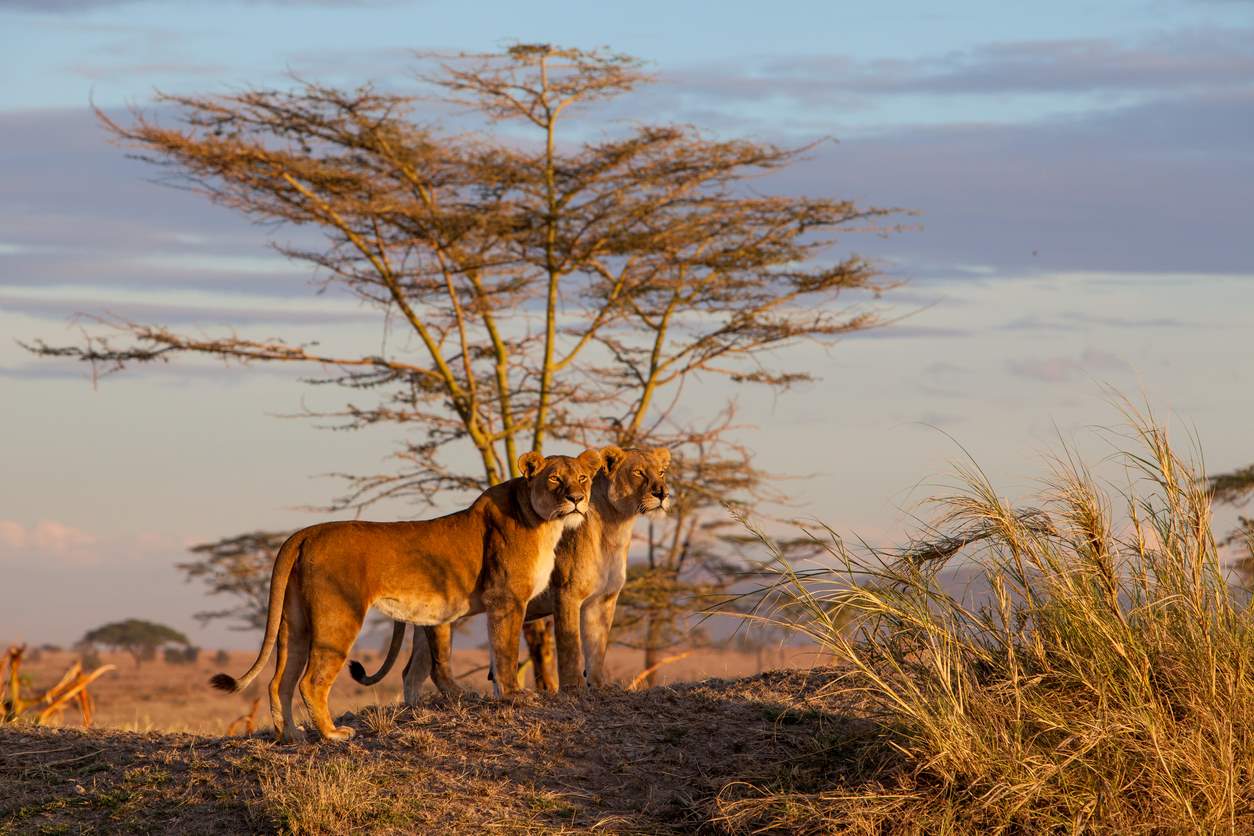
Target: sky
{"points": [[1081, 175]]}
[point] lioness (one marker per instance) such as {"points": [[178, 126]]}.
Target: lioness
{"points": [[495, 555], [588, 575]]}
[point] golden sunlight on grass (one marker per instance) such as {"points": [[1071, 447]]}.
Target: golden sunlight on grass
{"points": [[1103, 684]]}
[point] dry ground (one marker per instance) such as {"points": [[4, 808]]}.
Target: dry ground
{"points": [[161, 697], [652, 761]]}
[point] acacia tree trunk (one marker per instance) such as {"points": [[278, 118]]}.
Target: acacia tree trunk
{"points": [[654, 642]]}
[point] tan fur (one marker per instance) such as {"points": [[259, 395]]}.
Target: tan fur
{"points": [[491, 557], [589, 573], [591, 565]]}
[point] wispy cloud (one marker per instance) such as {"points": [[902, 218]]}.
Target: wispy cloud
{"points": [[179, 309], [1158, 187], [1060, 369], [1170, 61], [46, 540]]}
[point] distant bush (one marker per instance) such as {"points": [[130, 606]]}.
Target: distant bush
{"points": [[1105, 685], [222, 658], [181, 655]]}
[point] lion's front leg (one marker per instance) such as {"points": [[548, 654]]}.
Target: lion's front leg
{"points": [[566, 624], [598, 619], [505, 621]]}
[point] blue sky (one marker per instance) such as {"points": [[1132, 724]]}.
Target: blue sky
{"points": [[1081, 171]]}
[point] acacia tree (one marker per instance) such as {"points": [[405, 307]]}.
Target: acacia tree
{"points": [[554, 290], [137, 637]]}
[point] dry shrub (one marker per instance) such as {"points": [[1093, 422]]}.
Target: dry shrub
{"points": [[1104, 684], [333, 794]]}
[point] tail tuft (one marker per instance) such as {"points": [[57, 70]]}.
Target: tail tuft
{"points": [[358, 672], [224, 682]]}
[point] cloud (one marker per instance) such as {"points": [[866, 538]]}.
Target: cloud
{"points": [[46, 540], [1061, 369], [1150, 187], [1158, 187], [177, 309], [1182, 59], [54, 541]]}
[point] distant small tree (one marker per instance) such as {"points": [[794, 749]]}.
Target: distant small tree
{"points": [[1235, 489], [137, 637], [222, 658], [181, 655]]}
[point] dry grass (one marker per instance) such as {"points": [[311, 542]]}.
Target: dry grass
{"points": [[650, 761], [338, 794], [382, 719], [1105, 687]]}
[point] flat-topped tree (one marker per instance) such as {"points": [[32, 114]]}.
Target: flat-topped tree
{"points": [[558, 284], [137, 637]]}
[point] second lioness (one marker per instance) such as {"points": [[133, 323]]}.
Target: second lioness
{"points": [[588, 575]]}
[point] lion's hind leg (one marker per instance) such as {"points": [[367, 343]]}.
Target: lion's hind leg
{"points": [[440, 644], [418, 668], [331, 639], [297, 640], [280, 664]]}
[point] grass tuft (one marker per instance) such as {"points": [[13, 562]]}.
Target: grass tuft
{"points": [[335, 794], [1104, 683], [382, 719]]}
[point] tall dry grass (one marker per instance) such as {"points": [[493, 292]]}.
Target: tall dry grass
{"points": [[1103, 683]]}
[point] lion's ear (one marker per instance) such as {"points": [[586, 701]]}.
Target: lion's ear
{"points": [[613, 457], [530, 463], [591, 460], [662, 456]]}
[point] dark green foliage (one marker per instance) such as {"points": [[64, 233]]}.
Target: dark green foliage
{"points": [[137, 637]]}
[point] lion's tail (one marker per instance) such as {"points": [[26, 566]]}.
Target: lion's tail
{"points": [[359, 672], [283, 563]]}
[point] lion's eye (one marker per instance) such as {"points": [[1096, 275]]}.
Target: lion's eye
{"points": [[639, 474], [583, 478], [553, 479]]}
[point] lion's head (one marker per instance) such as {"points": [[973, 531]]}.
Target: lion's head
{"points": [[637, 479], [560, 486]]}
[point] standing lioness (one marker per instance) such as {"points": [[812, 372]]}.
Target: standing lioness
{"points": [[589, 573], [494, 556]]}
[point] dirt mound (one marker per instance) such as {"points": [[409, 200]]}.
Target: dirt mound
{"points": [[650, 761]]}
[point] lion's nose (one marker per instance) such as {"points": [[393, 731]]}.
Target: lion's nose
{"points": [[576, 498], [660, 493]]}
